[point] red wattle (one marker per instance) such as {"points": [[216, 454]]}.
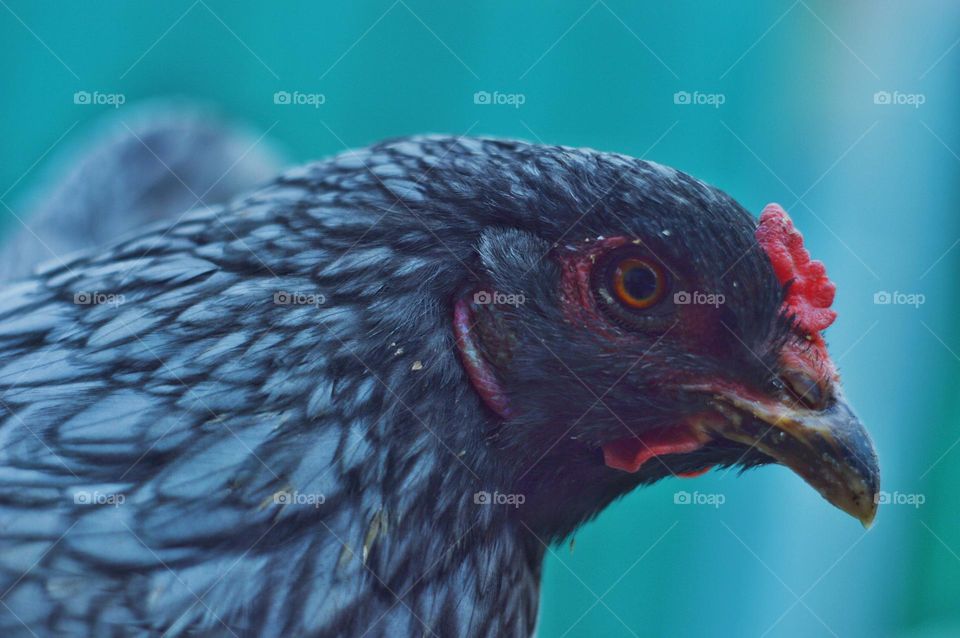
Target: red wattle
{"points": [[695, 473], [629, 454]]}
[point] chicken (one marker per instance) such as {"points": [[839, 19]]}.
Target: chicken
{"points": [[358, 401]]}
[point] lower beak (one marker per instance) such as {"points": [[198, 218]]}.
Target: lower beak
{"points": [[829, 448]]}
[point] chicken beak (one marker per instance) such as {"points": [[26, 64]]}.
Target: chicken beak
{"points": [[829, 448]]}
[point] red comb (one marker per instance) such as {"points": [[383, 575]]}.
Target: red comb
{"points": [[811, 292]]}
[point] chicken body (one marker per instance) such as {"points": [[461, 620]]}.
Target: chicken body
{"points": [[258, 420]]}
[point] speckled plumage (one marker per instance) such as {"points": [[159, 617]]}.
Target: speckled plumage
{"points": [[216, 411]]}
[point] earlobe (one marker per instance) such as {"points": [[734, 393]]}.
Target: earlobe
{"points": [[471, 315], [513, 263]]}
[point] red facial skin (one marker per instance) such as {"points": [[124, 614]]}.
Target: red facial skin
{"points": [[575, 284], [809, 296], [630, 453]]}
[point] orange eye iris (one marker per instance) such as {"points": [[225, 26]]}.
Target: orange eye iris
{"points": [[638, 283]]}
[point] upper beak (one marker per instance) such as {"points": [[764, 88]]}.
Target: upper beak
{"points": [[829, 448]]}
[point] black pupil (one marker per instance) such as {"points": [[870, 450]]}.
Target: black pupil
{"points": [[640, 282]]}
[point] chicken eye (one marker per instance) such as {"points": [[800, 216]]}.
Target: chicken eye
{"points": [[638, 283]]}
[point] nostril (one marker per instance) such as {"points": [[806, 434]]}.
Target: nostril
{"points": [[805, 389]]}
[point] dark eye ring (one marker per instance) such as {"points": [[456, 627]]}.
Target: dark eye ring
{"points": [[637, 283]]}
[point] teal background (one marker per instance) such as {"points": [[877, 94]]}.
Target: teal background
{"points": [[873, 186]]}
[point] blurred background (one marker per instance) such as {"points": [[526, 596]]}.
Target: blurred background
{"points": [[845, 113]]}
